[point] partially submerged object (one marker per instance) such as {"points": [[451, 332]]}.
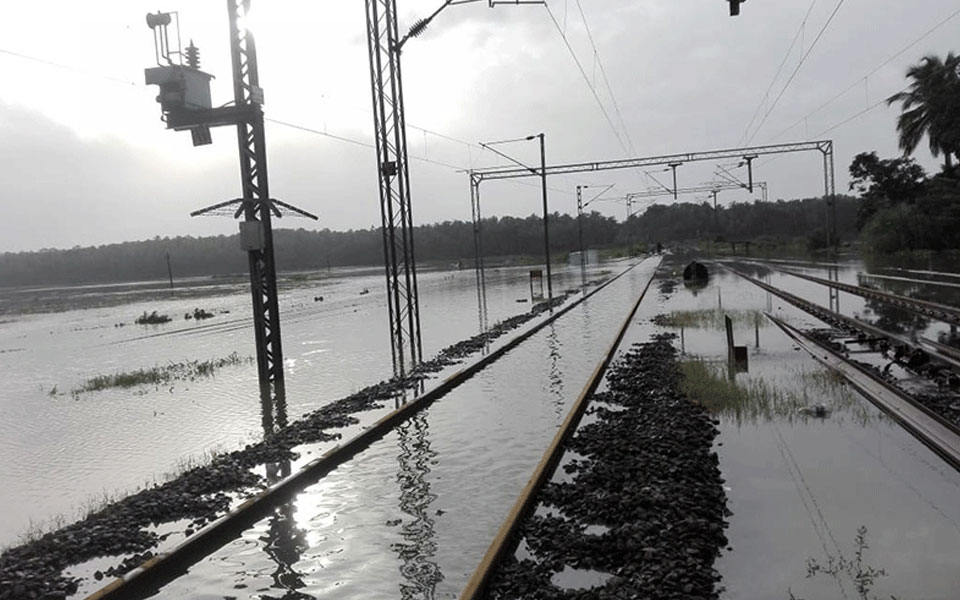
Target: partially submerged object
{"points": [[820, 411], [696, 271], [696, 274]]}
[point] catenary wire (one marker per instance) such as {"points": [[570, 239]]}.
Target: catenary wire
{"points": [[786, 56], [793, 75]]}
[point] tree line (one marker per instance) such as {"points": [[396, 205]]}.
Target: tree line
{"points": [[448, 242]]}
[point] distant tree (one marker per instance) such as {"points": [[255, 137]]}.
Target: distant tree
{"points": [[884, 182], [931, 106]]}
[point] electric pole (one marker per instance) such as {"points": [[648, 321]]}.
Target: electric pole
{"points": [[546, 228], [396, 211], [186, 104]]}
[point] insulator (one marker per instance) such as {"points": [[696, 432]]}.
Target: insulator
{"points": [[193, 56], [418, 28]]}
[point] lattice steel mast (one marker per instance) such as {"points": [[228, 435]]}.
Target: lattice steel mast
{"points": [[396, 214]]}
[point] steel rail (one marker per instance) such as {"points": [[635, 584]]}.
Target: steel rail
{"points": [[934, 310], [505, 539], [167, 566], [935, 432], [833, 317]]}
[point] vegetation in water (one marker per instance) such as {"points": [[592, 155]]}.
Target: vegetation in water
{"points": [[748, 399], [152, 319], [839, 567], [161, 375], [711, 318]]}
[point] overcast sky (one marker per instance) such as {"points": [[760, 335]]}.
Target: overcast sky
{"points": [[87, 161]]}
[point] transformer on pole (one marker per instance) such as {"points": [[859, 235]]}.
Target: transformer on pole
{"points": [[186, 105]]}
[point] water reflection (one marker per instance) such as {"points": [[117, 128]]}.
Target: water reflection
{"points": [[273, 410], [283, 541], [894, 319], [419, 547], [833, 274], [285, 544]]}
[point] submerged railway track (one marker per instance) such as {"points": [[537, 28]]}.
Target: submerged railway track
{"points": [[933, 424], [166, 566]]}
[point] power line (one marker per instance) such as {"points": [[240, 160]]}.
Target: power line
{"points": [[457, 168], [67, 67], [606, 81], [593, 90], [856, 83], [793, 75], [786, 56], [356, 142]]}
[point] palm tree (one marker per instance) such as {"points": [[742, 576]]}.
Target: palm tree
{"points": [[931, 106]]}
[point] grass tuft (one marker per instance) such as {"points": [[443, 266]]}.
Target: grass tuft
{"points": [[751, 399], [711, 318], [161, 375]]}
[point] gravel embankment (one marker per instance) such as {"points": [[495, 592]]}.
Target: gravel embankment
{"points": [[35, 569], [649, 476]]}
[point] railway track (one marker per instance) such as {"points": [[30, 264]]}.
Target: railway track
{"points": [[166, 566], [929, 427], [938, 434], [505, 539], [933, 310], [934, 350]]}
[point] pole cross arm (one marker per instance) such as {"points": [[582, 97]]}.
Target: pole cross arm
{"points": [[214, 117], [220, 208]]}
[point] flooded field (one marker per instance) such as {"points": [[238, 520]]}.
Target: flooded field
{"points": [[69, 441]]}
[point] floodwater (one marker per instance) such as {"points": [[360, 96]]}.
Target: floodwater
{"points": [[848, 506], [412, 515], [845, 506], [62, 452]]}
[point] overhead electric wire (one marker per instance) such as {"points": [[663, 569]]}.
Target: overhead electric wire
{"points": [[793, 75], [786, 56], [873, 71], [606, 81], [355, 142], [67, 67], [862, 112], [508, 157], [583, 73]]}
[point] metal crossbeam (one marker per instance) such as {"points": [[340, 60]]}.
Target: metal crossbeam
{"points": [[824, 146], [478, 176], [396, 214]]}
